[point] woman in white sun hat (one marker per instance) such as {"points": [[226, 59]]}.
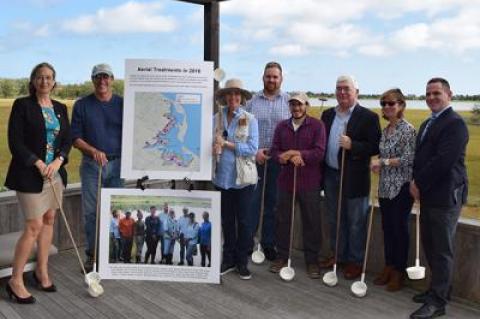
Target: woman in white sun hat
{"points": [[235, 146]]}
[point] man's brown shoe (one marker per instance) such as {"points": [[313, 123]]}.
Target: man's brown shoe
{"points": [[383, 277], [396, 281], [277, 264], [313, 271], [352, 271], [327, 263]]}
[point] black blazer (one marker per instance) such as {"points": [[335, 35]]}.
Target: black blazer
{"points": [[27, 139], [439, 165], [364, 130]]}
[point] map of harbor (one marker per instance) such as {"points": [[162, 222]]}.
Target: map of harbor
{"points": [[167, 132]]}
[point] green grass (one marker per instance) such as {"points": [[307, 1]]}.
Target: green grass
{"points": [[413, 116]]}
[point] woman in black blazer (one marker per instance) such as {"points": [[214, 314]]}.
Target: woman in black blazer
{"points": [[39, 140]]}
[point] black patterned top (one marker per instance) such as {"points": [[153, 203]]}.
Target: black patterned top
{"points": [[398, 144]]}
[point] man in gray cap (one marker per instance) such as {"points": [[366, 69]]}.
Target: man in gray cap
{"points": [[97, 133]]}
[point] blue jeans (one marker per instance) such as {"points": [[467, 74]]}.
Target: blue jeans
{"points": [[236, 224], [353, 223], [89, 178], [270, 199], [190, 248], [114, 248]]}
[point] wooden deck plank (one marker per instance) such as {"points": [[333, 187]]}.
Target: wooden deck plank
{"points": [[264, 296]]}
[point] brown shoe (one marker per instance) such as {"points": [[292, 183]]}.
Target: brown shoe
{"points": [[277, 264], [352, 271], [327, 263], [313, 271], [383, 278], [396, 281]]}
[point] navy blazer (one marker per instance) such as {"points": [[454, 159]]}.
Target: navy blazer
{"points": [[27, 139], [439, 165], [364, 130]]}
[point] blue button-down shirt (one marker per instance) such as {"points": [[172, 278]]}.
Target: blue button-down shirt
{"points": [[338, 127], [182, 224], [99, 123], [114, 228], [191, 233], [205, 233], [226, 171], [268, 112]]}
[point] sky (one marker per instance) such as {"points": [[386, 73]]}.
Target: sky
{"points": [[383, 43]]}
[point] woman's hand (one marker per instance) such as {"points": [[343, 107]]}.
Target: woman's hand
{"points": [[41, 166], [375, 165], [52, 168]]}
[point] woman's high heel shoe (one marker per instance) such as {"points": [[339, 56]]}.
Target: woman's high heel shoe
{"points": [[50, 288], [12, 295]]}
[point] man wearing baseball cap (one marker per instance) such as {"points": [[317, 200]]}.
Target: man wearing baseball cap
{"points": [[97, 133], [299, 144]]}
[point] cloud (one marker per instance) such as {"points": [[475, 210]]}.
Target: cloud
{"points": [[289, 50], [130, 17], [369, 27], [231, 48]]}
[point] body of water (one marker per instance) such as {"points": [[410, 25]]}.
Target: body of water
{"points": [[412, 104]]}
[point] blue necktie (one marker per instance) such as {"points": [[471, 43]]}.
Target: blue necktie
{"points": [[429, 123]]}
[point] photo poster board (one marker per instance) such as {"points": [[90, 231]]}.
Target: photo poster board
{"points": [[167, 119], [135, 199]]}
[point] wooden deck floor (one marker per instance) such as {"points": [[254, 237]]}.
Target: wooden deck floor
{"points": [[264, 296]]}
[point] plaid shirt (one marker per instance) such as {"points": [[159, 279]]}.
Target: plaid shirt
{"points": [[268, 114], [310, 139]]}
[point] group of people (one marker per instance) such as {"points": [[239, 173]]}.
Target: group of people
{"points": [[265, 142], [271, 136], [164, 229]]}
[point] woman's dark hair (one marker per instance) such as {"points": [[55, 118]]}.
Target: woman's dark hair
{"points": [[31, 87]]}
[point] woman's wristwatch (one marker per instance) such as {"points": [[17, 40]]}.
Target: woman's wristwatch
{"points": [[61, 158], [385, 161]]}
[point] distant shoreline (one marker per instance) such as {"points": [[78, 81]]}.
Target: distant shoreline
{"points": [[411, 104]]}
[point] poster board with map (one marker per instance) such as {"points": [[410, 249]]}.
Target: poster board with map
{"points": [[167, 119]]}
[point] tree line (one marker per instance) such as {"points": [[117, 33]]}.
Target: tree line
{"points": [[12, 88]]}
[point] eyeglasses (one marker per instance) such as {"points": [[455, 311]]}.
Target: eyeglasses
{"points": [[345, 89], [47, 78], [389, 103]]}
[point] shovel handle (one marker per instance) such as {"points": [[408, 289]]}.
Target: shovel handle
{"points": [[59, 204]]}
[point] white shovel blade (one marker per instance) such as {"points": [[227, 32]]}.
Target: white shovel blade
{"points": [[359, 289], [287, 273], [95, 289], [416, 272], [258, 257], [330, 278]]}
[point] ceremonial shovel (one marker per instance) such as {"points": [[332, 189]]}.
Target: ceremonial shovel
{"points": [[258, 256], [288, 273]]}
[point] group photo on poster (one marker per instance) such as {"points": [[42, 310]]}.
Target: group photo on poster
{"points": [[159, 234]]}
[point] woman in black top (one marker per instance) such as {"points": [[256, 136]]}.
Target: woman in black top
{"points": [[39, 140]]}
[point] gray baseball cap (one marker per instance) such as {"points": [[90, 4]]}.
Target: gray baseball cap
{"points": [[102, 68]]}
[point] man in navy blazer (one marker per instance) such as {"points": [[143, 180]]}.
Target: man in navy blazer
{"points": [[440, 183], [356, 130]]}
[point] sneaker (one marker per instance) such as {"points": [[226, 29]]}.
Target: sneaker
{"points": [[270, 253], [226, 268], [243, 272], [277, 265], [313, 271], [88, 264]]}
